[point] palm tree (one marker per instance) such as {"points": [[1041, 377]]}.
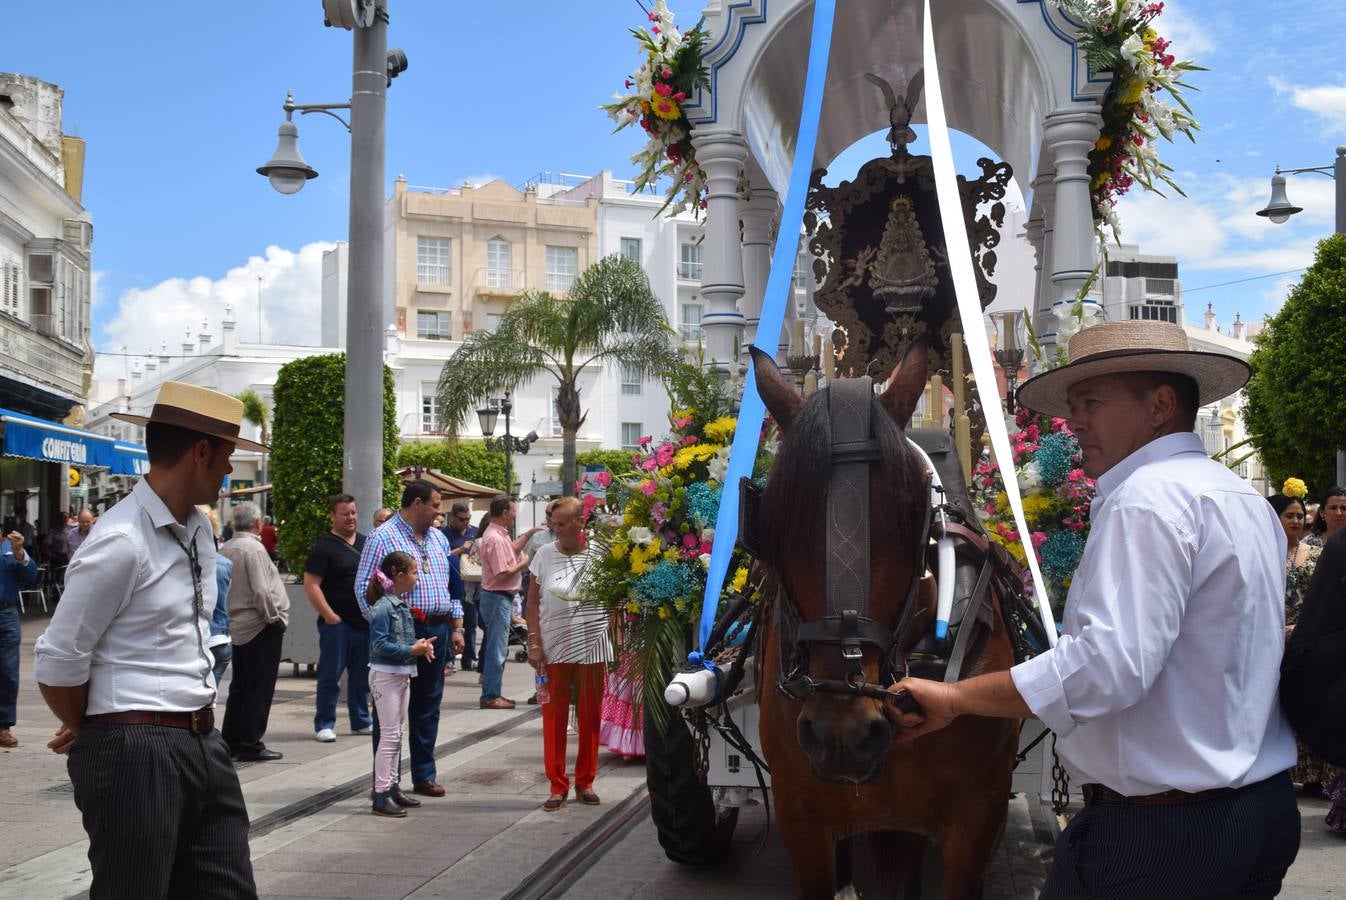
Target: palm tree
{"points": [[609, 315], [258, 413]]}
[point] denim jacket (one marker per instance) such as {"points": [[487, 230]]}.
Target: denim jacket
{"points": [[391, 632], [224, 570]]}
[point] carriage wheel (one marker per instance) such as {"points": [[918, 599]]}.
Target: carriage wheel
{"points": [[691, 830]]}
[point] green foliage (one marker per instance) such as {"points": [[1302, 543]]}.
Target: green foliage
{"points": [[255, 410], [306, 449], [692, 386], [1295, 406], [618, 462], [468, 460], [609, 316]]}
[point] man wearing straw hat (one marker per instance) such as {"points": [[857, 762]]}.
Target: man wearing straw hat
{"points": [[126, 667], [1162, 690]]}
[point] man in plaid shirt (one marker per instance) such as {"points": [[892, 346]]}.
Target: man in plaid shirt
{"points": [[434, 609]]}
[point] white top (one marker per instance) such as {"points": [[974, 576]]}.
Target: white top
{"points": [[1166, 676], [128, 622], [572, 632]]}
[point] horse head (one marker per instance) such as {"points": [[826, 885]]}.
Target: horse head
{"points": [[846, 548]]}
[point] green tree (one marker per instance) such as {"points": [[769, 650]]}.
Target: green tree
{"points": [[306, 450], [1296, 407], [617, 461], [468, 460], [610, 315], [258, 413]]}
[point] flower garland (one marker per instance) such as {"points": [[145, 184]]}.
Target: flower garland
{"points": [[1118, 37], [1056, 496], [672, 72]]}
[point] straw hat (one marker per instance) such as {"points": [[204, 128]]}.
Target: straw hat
{"points": [[197, 409], [1113, 348]]}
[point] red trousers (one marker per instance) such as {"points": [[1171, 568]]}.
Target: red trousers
{"points": [[588, 679]]}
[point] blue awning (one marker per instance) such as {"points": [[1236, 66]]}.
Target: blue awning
{"points": [[130, 460], [34, 438]]}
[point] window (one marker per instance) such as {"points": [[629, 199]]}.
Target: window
{"points": [[1211, 429], [631, 433], [433, 326], [555, 415], [432, 260], [1159, 287], [801, 272], [690, 325], [430, 409], [563, 264], [631, 249], [11, 287], [631, 379], [499, 262], [493, 322], [1155, 311], [689, 262]]}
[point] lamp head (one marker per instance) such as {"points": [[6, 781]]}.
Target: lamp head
{"points": [[1278, 208], [287, 170], [487, 416]]}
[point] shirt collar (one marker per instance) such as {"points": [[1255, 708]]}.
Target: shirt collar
{"points": [[154, 506], [1155, 450]]}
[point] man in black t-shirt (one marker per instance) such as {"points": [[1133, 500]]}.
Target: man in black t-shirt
{"points": [[343, 633]]}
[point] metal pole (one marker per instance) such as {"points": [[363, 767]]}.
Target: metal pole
{"points": [[362, 472], [509, 449], [1339, 174]]}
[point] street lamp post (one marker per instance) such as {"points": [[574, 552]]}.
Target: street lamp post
{"points": [[1279, 209], [1010, 356], [374, 68], [508, 444]]}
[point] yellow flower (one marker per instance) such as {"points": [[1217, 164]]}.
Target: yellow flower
{"points": [[1133, 92], [1103, 143], [1295, 487], [1035, 505], [683, 413], [740, 579], [632, 606], [722, 429], [1148, 35], [695, 453], [665, 108], [663, 612], [619, 551], [637, 560], [671, 554]]}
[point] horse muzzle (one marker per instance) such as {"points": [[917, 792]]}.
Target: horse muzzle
{"points": [[846, 742]]}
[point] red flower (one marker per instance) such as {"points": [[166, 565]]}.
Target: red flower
{"points": [[418, 614]]}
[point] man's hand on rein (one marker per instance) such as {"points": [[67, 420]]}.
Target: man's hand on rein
{"points": [[936, 700]]}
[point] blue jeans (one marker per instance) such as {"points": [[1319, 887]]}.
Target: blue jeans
{"points": [[427, 689], [470, 626], [10, 637], [495, 611], [222, 653], [342, 648]]}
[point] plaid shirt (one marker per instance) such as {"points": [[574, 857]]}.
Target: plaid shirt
{"points": [[432, 595]]}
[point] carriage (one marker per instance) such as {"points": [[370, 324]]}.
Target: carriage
{"points": [[892, 573]]}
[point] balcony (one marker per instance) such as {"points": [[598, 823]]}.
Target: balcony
{"points": [[559, 282], [689, 271], [34, 351], [499, 282]]}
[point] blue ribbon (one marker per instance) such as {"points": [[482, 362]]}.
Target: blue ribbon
{"points": [[779, 289]]}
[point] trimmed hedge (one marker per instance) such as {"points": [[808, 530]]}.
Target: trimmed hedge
{"points": [[306, 450], [469, 460], [617, 461]]}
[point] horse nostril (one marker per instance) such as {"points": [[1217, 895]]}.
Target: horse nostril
{"points": [[878, 735], [808, 737]]}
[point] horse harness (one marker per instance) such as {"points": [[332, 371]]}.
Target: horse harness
{"points": [[846, 624]]}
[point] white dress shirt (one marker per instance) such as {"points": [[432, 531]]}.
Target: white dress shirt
{"points": [[1167, 673], [127, 622]]}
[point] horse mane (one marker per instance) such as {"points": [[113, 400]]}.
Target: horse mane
{"points": [[794, 503]]}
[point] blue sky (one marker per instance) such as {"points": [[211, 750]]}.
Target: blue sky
{"points": [[179, 103]]}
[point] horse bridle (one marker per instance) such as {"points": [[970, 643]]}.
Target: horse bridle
{"points": [[847, 624]]}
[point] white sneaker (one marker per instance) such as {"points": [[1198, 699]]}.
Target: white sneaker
{"points": [[326, 736], [364, 731]]}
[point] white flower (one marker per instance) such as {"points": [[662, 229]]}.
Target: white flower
{"points": [[1030, 479], [1134, 48], [639, 534], [718, 465], [704, 559]]}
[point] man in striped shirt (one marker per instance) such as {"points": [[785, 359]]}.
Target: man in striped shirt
{"points": [[437, 613]]}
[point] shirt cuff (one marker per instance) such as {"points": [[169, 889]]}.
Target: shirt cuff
{"points": [[1038, 682], [56, 670], [455, 608]]}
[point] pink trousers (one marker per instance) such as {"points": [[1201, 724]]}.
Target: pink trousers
{"points": [[390, 692]]}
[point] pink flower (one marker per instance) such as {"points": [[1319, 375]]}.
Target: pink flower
{"points": [[1039, 538], [655, 29], [664, 455], [662, 89], [649, 464], [705, 546], [603, 479], [689, 440], [680, 96], [590, 501], [667, 73], [648, 487], [690, 540], [682, 423], [643, 442]]}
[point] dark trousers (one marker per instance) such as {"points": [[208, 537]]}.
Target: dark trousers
{"points": [[427, 690], [251, 689], [164, 813], [342, 648], [11, 635], [1239, 845], [470, 619]]}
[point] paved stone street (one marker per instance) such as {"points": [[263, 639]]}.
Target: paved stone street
{"points": [[489, 838]]}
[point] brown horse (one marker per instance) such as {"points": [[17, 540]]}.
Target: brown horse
{"points": [[836, 773]]}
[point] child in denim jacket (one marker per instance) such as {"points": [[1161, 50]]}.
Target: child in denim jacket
{"points": [[392, 650]]}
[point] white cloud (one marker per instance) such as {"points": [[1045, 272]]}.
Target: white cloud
{"points": [[291, 298], [96, 293], [1326, 101], [1190, 38], [1276, 295]]}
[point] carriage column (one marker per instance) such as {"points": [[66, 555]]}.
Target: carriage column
{"points": [[722, 154], [1070, 135], [757, 213], [1039, 230]]}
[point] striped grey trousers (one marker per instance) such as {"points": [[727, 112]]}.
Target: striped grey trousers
{"points": [[1239, 845], [164, 813]]}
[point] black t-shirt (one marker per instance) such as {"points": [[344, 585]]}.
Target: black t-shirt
{"points": [[335, 561]]}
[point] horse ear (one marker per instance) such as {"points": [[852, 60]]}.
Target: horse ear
{"points": [[906, 387], [779, 395]]}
